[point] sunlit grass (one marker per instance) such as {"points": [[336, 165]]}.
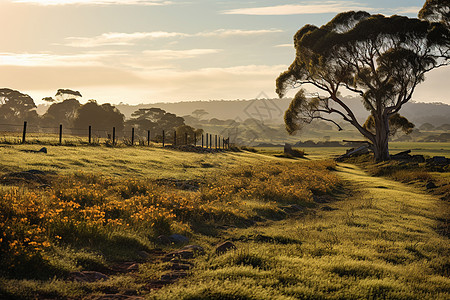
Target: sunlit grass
{"points": [[382, 240]]}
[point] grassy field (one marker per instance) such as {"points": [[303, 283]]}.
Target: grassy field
{"points": [[303, 228], [428, 149]]}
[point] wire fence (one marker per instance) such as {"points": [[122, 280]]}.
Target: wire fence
{"points": [[46, 135]]}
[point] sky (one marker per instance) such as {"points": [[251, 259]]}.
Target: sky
{"points": [[147, 51]]}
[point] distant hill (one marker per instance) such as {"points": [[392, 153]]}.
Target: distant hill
{"points": [[272, 110]]}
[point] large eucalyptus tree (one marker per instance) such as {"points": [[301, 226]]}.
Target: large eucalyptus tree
{"points": [[382, 59]]}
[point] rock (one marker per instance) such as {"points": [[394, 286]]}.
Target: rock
{"points": [[87, 276], [225, 247], [43, 150], [163, 240], [288, 151], [430, 185], [126, 267], [187, 252], [418, 158], [178, 239], [439, 160], [144, 254]]}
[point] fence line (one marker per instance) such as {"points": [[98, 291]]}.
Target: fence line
{"points": [[113, 140]]}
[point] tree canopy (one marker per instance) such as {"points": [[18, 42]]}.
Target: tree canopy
{"points": [[64, 94], [155, 120], [100, 117], [16, 106], [382, 59], [61, 113]]}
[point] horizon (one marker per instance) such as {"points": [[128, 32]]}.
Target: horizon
{"points": [[168, 51]]}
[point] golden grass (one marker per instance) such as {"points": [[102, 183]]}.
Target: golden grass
{"points": [[382, 241]]}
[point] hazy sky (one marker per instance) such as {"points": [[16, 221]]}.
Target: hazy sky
{"points": [[144, 51]]}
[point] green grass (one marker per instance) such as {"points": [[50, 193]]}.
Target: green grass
{"points": [[381, 239], [139, 161], [380, 243], [427, 149]]}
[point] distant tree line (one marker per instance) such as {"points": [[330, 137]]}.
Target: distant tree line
{"points": [[66, 110]]}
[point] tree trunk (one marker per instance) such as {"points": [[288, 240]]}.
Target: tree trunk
{"points": [[381, 143]]}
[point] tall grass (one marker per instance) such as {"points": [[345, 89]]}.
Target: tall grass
{"points": [[105, 215]]}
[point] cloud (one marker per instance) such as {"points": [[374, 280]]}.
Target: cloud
{"points": [[93, 2], [296, 9], [135, 61], [126, 39], [49, 59], [118, 38], [285, 46], [325, 7], [236, 32], [178, 54], [407, 10]]}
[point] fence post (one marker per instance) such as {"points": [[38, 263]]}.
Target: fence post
{"points": [[210, 141], [60, 134], [114, 136], [90, 133], [148, 137], [174, 137], [132, 136], [24, 132], [219, 142], [216, 141], [163, 137], [223, 143], [202, 139], [207, 140]]}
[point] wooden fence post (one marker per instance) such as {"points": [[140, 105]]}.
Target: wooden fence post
{"points": [[163, 137], [216, 141], [210, 141], [175, 138], [207, 135], [90, 133], [114, 136], [24, 132], [148, 137], [202, 139], [132, 136], [60, 134]]}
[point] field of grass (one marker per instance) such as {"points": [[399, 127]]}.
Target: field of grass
{"points": [[381, 243], [303, 228], [427, 149]]}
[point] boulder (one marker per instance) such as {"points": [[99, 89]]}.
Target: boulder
{"points": [[187, 252], [430, 185], [178, 239], [225, 247], [163, 240]]}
